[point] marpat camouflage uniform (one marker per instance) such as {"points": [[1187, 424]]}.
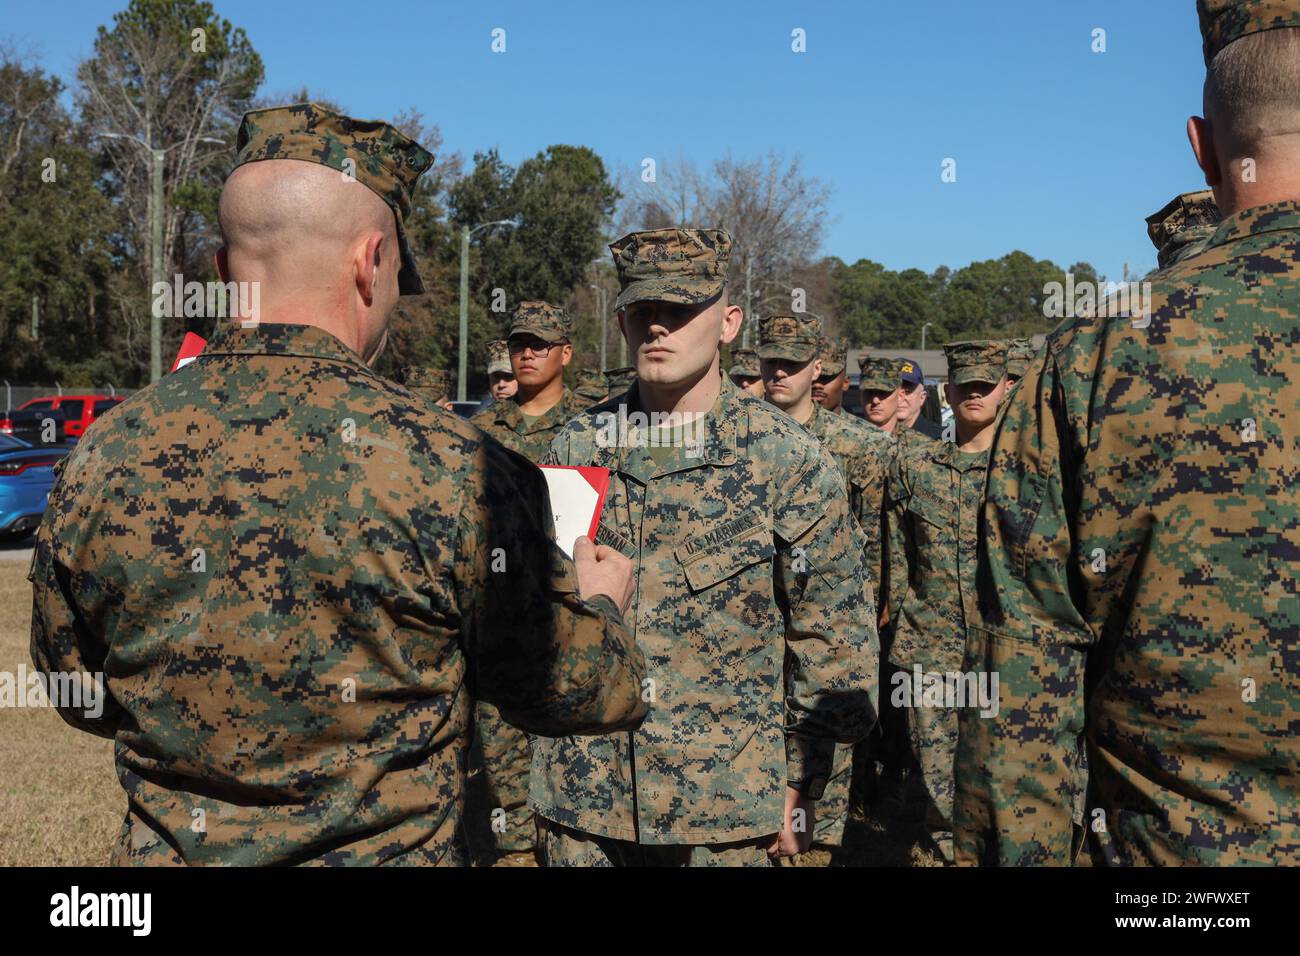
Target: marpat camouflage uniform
{"points": [[503, 420], [751, 605], [1141, 528], [1182, 228], [862, 454], [591, 387], [283, 564], [432, 384], [505, 749], [718, 538]]}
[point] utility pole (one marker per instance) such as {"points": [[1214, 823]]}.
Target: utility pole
{"points": [[622, 350], [36, 319], [604, 325], [156, 266], [465, 233], [464, 312], [155, 237], [749, 299]]}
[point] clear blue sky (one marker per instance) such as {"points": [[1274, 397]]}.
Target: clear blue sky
{"points": [[1061, 152]]}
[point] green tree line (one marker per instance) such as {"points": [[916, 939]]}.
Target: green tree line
{"points": [[173, 74]]}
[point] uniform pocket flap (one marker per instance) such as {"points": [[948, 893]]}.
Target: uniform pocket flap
{"points": [[706, 563]]}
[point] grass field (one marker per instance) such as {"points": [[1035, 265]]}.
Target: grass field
{"points": [[60, 803]]}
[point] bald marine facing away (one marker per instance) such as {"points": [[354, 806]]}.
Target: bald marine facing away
{"points": [[293, 574]]}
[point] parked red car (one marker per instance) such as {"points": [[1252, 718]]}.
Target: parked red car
{"points": [[78, 410]]}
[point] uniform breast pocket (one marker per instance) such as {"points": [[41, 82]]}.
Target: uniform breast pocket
{"points": [[931, 521], [731, 616], [706, 564]]}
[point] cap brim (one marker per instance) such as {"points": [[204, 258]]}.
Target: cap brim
{"points": [[501, 367], [831, 369], [787, 351], [877, 385], [987, 374], [546, 335], [668, 289]]}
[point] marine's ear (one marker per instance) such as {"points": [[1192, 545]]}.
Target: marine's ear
{"points": [[1201, 135]]}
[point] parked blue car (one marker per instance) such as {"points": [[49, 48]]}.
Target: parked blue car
{"points": [[26, 477]]}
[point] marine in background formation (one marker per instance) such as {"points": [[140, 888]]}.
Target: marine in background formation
{"points": [[793, 352], [745, 372], [500, 373], [932, 505]]}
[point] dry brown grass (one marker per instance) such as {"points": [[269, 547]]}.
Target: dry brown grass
{"points": [[60, 802]]}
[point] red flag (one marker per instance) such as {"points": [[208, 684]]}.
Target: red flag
{"points": [[191, 346]]}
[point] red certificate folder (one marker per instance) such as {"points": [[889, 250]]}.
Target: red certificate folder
{"points": [[577, 497], [191, 346]]}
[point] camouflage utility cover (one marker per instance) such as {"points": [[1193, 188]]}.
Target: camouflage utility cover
{"points": [[983, 361], [548, 322], [590, 385], [794, 338], [1142, 528], [1225, 21], [1020, 352], [619, 380], [282, 562], [499, 357], [431, 383], [834, 353], [1183, 226], [879, 373], [745, 362], [685, 266]]}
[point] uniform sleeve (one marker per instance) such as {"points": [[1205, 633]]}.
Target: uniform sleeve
{"points": [[893, 561], [553, 663], [832, 649], [62, 640], [1017, 769]]}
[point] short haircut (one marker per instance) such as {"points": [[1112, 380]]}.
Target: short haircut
{"points": [[1252, 89]]}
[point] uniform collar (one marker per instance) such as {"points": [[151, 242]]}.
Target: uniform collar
{"points": [[267, 338], [725, 427], [508, 413], [948, 454], [1270, 217]]}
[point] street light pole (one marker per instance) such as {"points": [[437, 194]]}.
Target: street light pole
{"points": [[923, 328], [156, 266], [155, 236], [604, 325], [465, 233], [464, 311]]}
